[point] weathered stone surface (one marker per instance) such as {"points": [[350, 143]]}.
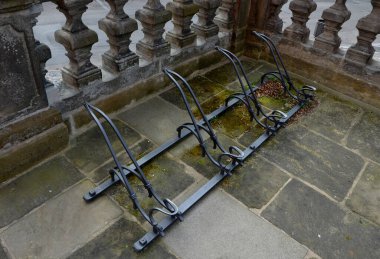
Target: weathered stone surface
{"points": [[322, 225], [34, 188], [29, 126], [77, 39], [365, 136], [163, 119], [168, 178], [117, 242], [2, 253], [254, 183], [323, 163], [225, 15], [365, 198], [118, 27], [334, 17], [153, 17], [226, 74], [209, 59], [56, 229], [138, 151], [235, 122], [361, 53], [202, 87], [301, 10], [22, 156], [204, 27], [182, 13], [220, 227], [122, 98], [333, 118], [90, 150], [19, 64]]}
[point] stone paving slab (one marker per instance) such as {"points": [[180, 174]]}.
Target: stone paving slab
{"points": [[315, 159], [90, 150], [138, 151], [221, 227], [365, 199], [168, 178], [203, 88], [226, 74], [2, 253], [34, 188], [117, 242], [322, 225], [254, 183], [365, 136], [333, 118], [61, 225], [157, 119]]}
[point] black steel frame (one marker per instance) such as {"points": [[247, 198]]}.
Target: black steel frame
{"points": [[226, 161]]}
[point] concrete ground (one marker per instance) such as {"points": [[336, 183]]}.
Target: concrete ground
{"points": [[312, 191]]}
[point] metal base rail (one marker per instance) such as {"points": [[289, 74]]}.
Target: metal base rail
{"points": [[207, 187], [271, 122]]}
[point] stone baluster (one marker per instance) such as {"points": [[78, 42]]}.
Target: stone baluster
{"points": [[182, 11], [361, 53], [77, 39], [118, 27], [225, 16], [205, 27], [44, 54], [334, 17], [301, 10], [153, 17], [274, 23]]}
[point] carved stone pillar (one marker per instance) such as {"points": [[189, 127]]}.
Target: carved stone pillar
{"points": [[77, 39], [44, 54], [334, 17], [301, 10], [153, 17], [274, 23], [21, 86], [205, 27], [225, 16], [369, 27], [118, 27], [183, 11]]}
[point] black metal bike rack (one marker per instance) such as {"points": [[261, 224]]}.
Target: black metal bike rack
{"points": [[227, 159]]}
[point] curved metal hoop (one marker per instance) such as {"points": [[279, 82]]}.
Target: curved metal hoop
{"points": [[169, 207], [301, 95], [196, 128], [250, 98]]}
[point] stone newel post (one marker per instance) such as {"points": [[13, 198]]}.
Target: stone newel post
{"points": [[182, 11], [361, 53], [118, 27], [301, 10], [77, 39], [334, 17], [153, 17]]}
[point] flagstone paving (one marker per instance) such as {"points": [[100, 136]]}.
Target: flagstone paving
{"points": [[312, 190], [320, 224], [365, 198]]}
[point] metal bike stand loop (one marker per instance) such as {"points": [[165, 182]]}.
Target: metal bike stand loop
{"points": [[227, 159]]}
